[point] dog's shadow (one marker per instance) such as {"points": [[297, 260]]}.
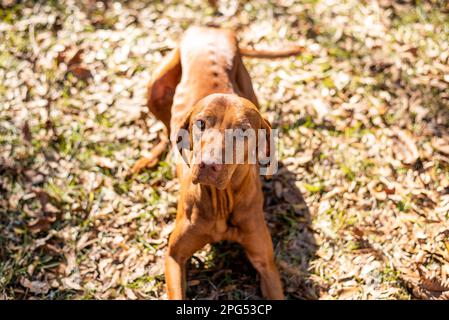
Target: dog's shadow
{"points": [[226, 273]]}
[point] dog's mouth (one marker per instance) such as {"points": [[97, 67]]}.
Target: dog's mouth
{"points": [[208, 181], [219, 185], [217, 180]]}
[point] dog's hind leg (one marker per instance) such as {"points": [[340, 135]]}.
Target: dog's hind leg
{"points": [[243, 81], [161, 90]]}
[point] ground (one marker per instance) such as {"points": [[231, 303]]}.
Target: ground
{"points": [[358, 210]]}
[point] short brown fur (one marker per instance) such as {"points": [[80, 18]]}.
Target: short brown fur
{"points": [[205, 75]]}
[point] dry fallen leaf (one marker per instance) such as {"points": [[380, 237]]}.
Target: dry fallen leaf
{"points": [[377, 198], [76, 58], [405, 148], [104, 162], [41, 223], [193, 283], [37, 287], [80, 71], [428, 288], [70, 56], [441, 145], [27, 132]]}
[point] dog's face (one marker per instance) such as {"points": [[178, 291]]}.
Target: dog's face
{"points": [[224, 133]]}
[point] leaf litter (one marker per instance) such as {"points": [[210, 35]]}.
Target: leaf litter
{"points": [[358, 210]]}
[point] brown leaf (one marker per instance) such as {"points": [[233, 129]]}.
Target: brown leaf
{"points": [[76, 58], [80, 71], [193, 283], [27, 132], [52, 249], [389, 190], [70, 56], [413, 51], [357, 232], [44, 220], [43, 196], [229, 288], [441, 145], [41, 224], [432, 284], [347, 293], [34, 176], [405, 148], [37, 287], [428, 288], [50, 209]]}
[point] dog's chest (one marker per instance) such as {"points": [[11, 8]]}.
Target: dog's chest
{"points": [[224, 230], [223, 225]]}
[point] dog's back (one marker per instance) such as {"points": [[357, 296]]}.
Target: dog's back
{"points": [[207, 60]]}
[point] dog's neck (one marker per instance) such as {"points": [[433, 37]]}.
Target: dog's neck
{"points": [[225, 200]]}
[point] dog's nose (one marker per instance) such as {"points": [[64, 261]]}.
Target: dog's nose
{"points": [[214, 167]]}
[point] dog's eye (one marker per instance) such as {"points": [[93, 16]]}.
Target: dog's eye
{"points": [[201, 125]]}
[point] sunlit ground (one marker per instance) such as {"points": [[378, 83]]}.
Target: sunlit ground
{"points": [[359, 209]]}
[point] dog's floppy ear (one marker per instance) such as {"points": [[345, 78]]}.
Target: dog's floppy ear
{"points": [[269, 161], [162, 87], [182, 137], [267, 126]]}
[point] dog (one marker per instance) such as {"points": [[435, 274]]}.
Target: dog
{"points": [[203, 85]]}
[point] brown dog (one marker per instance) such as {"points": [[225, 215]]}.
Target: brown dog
{"points": [[204, 83]]}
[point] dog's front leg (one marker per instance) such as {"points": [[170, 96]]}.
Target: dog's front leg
{"points": [[175, 276], [259, 249], [181, 246]]}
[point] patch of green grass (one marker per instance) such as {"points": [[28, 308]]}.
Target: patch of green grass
{"points": [[104, 120], [70, 141], [339, 52], [403, 206], [19, 41], [88, 295], [6, 272], [340, 219], [291, 220], [150, 247], [163, 171], [328, 83], [306, 122], [389, 275], [12, 14], [348, 172], [314, 188], [306, 58], [104, 149], [353, 131], [419, 14], [353, 245], [142, 281], [122, 187], [7, 61]]}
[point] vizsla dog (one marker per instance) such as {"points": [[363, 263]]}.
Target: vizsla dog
{"points": [[203, 84]]}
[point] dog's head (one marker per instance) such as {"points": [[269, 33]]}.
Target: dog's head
{"points": [[223, 131]]}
